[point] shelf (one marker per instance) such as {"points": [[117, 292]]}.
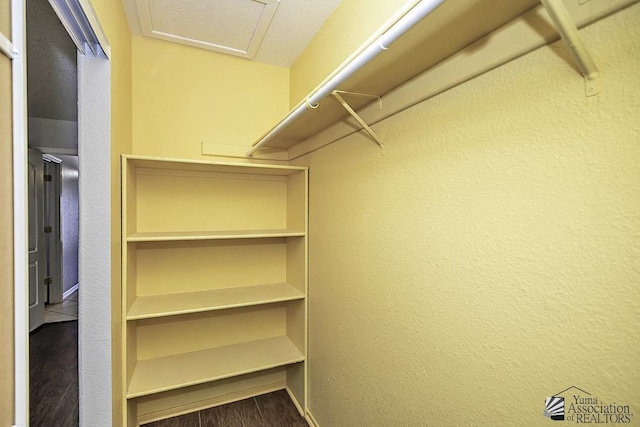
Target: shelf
{"points": [[211, 235], [429, 43], [165, 163], [214, 262], [183, 370], [147, 307]]}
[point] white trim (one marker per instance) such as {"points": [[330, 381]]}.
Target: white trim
{"points": [[94, 241], [6, 47], [82, 25], [50, 158], [295, 401], [21, 319], [69, 291], [98, 31], [58, 151], [311, 419]]}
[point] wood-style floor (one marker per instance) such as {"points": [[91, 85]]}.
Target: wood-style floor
{"points": [[53, 375], [269, 410], [53, 357]]}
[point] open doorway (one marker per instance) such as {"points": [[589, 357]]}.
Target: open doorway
{"points": [[94, 154], [61, 201], [52, 107]]}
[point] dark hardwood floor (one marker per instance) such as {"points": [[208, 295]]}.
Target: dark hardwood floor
{"points": [[53, 384], [53, 375], [269, 410]]}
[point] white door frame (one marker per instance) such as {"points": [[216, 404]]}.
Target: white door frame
{"points": [[20, 209], [94, 146], [94, 240]]}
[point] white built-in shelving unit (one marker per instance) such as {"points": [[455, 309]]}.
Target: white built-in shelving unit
{"points": [[214, 284]]}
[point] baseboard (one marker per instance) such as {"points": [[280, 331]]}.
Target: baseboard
{"points": [[295, 401], [311, 419], [69, 291], [209, 403]]}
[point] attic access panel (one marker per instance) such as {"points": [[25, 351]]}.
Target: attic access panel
{"points": [[235, 27]]}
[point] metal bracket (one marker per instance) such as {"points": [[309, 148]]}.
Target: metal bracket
{"points": [[567, 28], [365, 126]]}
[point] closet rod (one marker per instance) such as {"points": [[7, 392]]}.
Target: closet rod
{"points": [[379, 45], [7, 48]]}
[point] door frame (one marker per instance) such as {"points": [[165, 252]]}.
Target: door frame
{"points": [[20, 208], [94, 147]]}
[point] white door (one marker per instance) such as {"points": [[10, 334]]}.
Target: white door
{"points": [[37, 287], [53, 238]]}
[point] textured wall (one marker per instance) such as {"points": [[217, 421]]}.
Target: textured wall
{"points": [[113, 20], [69, 221], [95, 366], [184, 96], [491, 256]]}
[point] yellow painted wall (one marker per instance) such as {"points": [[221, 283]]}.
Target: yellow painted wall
{"points": [[491, 256], [184, 96], [7, 382], [348, 27], [114, 22]]}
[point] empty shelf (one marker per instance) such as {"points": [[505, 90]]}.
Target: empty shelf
{"points": [[146, 307], [211, 235], [198, 367]]}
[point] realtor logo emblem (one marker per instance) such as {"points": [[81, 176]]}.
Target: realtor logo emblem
{"points": [[554, 408], [575, 405]]}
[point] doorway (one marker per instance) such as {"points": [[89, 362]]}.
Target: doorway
{"points": [[61, 237], [52, 107], [94, 247]]}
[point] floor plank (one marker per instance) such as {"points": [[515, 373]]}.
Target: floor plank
{"points": [[269, 410], [238, 414], [277, 409], [53, 375], [188, 420]]}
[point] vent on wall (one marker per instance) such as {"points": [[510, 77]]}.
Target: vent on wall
{"points": [[235, 27]]}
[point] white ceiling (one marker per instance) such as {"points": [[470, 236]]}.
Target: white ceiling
{"points": [[269, 31]]}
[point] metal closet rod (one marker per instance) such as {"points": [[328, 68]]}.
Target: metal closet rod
{"points": [[379, 45]]}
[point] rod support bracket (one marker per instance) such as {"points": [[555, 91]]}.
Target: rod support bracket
{"points": [[592, 84], [365, 126], [565, 25]]}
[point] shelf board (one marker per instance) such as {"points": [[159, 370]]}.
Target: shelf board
{"points": [[211, 235], [165, 163], [198, 367], [150, 306]]}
